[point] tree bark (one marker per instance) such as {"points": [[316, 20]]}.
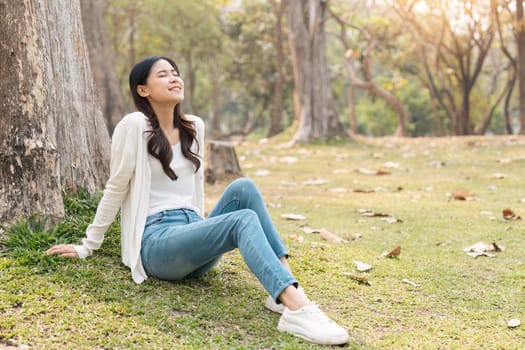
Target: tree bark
{"points": [[223, 164], [101, 58], [277, 109], [520, 40], [215, 112], [53, 132], [313, 91]]}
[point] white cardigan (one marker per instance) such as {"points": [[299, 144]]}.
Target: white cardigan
{"points": [[128, 188]]}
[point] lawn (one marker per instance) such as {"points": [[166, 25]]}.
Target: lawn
{"points": [[375, 194]]}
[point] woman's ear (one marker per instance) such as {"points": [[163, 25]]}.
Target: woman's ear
{"points": [[142, 91]]}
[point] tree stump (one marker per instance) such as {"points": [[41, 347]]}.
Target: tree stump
{"points": [[222, 164]]}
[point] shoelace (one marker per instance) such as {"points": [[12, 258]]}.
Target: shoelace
{"points": [[318, 315]]}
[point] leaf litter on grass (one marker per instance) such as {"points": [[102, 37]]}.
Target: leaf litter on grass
{"points": [[483, 249]]}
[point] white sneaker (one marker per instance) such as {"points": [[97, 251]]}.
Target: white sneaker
{"points": [[312, 324], [271, 305]]}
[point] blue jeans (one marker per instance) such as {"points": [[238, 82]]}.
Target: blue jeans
{"points": [[179, 244]]}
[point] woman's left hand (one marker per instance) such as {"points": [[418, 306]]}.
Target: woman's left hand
{"points": [[63, 250]]}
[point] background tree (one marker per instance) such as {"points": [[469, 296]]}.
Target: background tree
{"points": [[229, 56], [53, 133], [102, 62], [520, 42], [313, 98], [358, 61], [502, 17], [279, 8], [453, 41], [256, 67]]}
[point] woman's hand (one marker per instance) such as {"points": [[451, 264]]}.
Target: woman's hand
{"points": [[63, 250]]}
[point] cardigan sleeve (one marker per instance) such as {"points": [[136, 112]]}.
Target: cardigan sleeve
{"points": [[198, 198], [124, 146]]}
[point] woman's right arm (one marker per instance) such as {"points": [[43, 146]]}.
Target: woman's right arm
{"points": [[122, 166]]}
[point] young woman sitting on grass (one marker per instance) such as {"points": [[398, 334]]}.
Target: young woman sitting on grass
{"points": [[157, 180]]}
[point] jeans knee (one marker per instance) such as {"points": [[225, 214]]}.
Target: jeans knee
{"points": [[244, 185], [247, 218]]}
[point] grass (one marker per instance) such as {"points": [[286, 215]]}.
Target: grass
{"points": [[461, 303]]}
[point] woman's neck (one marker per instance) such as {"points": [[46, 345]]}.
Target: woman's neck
{"points": [[165, 116]]}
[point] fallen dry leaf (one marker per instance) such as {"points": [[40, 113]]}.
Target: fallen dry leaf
{"points": [[513, 323], [392, 165], [360, 279], [314, 182], [307, 229], [357, 190], [366, 171], [391, 220], [394, 252], [179, 312], [497, 248], [288, 160], [288, 183], [296, 238], [291, 216], [476, 254], [330, 237], [371, 213], [436, 164], [262, 173], [462, 195], [413, 284], [499, 176], [483, 249], [361, 266], [508, 214]]}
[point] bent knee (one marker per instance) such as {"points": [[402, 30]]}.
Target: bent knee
{"points": [[247, 215], [243, 184]]}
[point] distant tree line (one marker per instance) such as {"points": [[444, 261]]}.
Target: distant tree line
{"points": [[403, 67]]}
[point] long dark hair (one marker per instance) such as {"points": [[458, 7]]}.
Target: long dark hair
{"points": [[158, 145]]}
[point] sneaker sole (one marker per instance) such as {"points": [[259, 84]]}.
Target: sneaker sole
{"points": [[284, 326]]}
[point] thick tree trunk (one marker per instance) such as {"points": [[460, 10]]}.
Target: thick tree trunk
{"points": [[520, 39], [277, 110], [53, 132], [101, 59], [316, 110], [223, 164]]}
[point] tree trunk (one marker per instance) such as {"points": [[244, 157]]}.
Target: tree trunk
{"points": [[101, 58], [352, 116], [53, 132], [215, 106], [520, 40], [222, 162], [376, 90], [316, 110], [277, 110]]}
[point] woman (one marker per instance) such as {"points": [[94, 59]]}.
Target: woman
{"points": [[157, 180]]}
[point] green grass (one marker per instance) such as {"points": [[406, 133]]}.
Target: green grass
{"points": [[461, 303]]}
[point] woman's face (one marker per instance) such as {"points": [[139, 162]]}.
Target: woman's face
{"points": [[163, 86]]}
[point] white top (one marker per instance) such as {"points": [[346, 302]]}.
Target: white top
{"points": [[166, 193], [128, 188]]}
